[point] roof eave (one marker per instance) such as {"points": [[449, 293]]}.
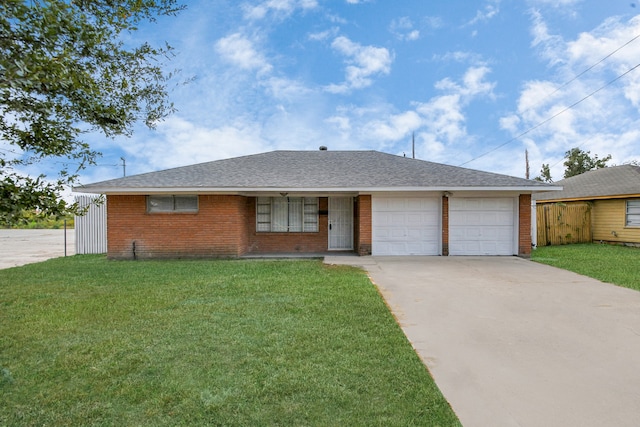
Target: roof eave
{"points": [[587, 198], [245, 190]]}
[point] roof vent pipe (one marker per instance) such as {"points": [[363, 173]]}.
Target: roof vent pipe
{"points": [[323, 148]]}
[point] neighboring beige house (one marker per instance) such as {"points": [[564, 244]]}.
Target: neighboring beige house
{"points": [[611, 197]]}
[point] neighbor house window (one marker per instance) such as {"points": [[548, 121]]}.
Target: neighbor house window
{"points": [[633, 213], [287, 214], [172, 204]]}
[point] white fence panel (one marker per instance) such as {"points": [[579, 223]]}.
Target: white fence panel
{"points": [[91, 228]]}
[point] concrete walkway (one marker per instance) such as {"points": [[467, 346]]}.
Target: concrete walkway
{"points": [[19, 247], [514, 343]]}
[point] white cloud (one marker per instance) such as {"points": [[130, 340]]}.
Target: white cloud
{"points": [[550, 45], [443, 116], [555, 3], [363, 63], [433, 22], [284, 89], [179, 142], [238, 50], [403, 29], [472, 83], [490, 10], [394, 127], [324, 35], [279, 8], [439, 123], [459, 56], [602, 122]]}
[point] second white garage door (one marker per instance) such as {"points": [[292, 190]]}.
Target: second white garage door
{"points": [[481, 226], [405, 225]]}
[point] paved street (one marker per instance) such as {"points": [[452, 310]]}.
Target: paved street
{"points": [[19, 247]]}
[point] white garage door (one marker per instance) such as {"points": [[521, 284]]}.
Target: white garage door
{"points": [[405, 226], [481, 226]]}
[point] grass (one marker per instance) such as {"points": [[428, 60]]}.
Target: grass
{"points": [[86, 341], [619, 265]]}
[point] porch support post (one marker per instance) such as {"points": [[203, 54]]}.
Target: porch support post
{"points": [[524, 225], [364, 225], [445, 226]]}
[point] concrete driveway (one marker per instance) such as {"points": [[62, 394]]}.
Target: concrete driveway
{"points": [[19, 247], [514, 343]]}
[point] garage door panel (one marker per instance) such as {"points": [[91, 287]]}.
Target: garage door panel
{"points": [[481, 226], [399, 204], [405, 226]]}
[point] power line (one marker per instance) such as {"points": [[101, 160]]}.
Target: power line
{"points": [[547, 120], [593, 66], [558, 89]]}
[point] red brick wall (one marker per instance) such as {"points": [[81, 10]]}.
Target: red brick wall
{"points": [[218, 229], [524, 218], [445, 226], [363, 223], [259, 243]]}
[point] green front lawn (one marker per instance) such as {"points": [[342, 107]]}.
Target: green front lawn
{"points": [[613, 264], [86, 341]]}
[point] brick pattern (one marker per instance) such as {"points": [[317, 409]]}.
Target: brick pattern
{"points": [[445, 226], [216, 230], [225, 226], [524, 232], [363, 233]]}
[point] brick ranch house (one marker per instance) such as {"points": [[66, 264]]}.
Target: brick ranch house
{"points": [[284, 202]]}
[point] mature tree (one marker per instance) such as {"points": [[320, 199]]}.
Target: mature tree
{"points": [[64, 72], [578, 162], [545, 174]]}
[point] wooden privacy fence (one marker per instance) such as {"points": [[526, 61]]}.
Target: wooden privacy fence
{"points": [[560, 224], [91, 228]]}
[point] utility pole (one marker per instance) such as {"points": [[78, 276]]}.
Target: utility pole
{"points": [[124, 166], [526, 161], [413, 144]]}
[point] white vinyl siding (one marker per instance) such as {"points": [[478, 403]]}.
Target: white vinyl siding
{"points": [[173, 204], [633, 213], [287, 214]]}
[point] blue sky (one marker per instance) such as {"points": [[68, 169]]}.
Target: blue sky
{"points": [[468, 78]]}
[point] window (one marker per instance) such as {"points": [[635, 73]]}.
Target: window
{"points": [[172, 204], [633, 213], [287, 214]]}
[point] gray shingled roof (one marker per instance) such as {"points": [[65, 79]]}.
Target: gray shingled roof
{"points": [[613, 181], [313, 169]]}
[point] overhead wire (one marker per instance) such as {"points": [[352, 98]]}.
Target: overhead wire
{"points": [[547, 120], [570, 106], [592, 67]]}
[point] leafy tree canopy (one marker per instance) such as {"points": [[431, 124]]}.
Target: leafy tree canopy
{"points": [[64, 72], [545, 174], [576, 162]]}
